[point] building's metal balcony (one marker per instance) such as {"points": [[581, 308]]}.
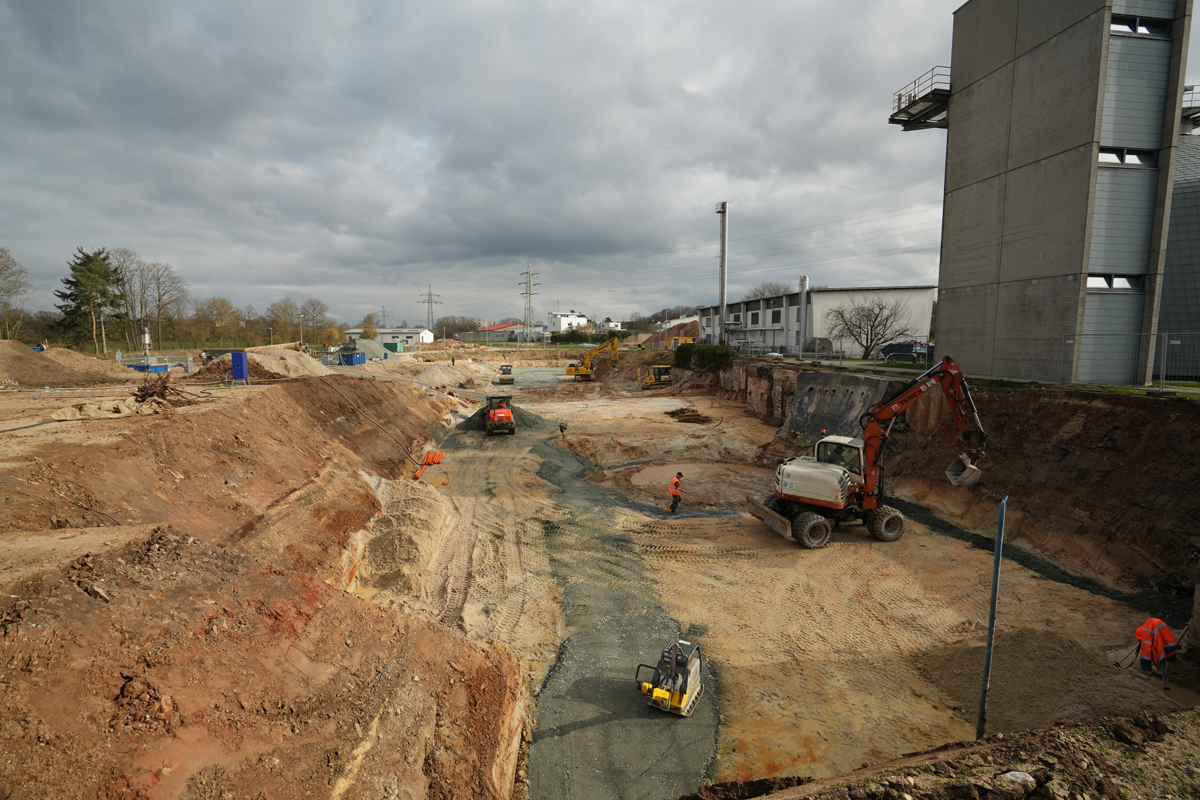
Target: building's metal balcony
{"points": [[924, 103], [1189, 115]]}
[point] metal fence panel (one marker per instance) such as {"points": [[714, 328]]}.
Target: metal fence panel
{"points": [[1116, 358]]}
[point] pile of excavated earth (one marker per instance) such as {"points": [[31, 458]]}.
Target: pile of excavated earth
{"points": [[247, 594]]}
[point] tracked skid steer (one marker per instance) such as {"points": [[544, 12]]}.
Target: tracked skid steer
{"points": [[675, 684]]}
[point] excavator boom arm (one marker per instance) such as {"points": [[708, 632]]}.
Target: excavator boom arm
{"points": [[949, 377]]}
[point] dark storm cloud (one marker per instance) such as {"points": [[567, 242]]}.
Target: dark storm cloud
{"points": [[361, 151]]}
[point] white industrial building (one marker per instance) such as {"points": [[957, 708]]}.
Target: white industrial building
{"points": [[671, 322], [783, 323], [409, 336], [561, 321]]}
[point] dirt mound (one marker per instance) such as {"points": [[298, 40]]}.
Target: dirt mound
{"points": [[522, 418], [289, 363], [265, 364], [1039, 677], [220, 369], [86, 363], [181, 669], [22, 367], [372, 348], [441, 375]]}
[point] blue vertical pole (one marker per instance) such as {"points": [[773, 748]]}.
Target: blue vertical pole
{"points": [[991, 634]]}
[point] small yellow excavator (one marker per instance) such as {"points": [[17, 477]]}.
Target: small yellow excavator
{"points": [[654, 377], [675, 684], [583, 370]]}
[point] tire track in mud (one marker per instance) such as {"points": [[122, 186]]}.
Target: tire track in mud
{"points": [[534, 558]]}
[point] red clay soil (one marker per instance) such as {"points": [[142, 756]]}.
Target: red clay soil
{"points": [[168, 667], [1106, 485], [216, 661]]}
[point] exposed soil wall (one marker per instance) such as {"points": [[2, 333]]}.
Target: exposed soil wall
{"points": [[186, 670], [1106, 485], [224, 659]]}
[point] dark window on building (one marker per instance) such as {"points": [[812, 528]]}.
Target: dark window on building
{"points": [[1140, 26], [1124, 156], [753, 317], [737, 317], [775, 316]]}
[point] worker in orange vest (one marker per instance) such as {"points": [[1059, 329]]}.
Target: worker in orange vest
{"points": [[676, 490], [1157, 647]]}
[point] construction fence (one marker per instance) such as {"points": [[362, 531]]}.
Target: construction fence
{"points": [[1121, 359]]}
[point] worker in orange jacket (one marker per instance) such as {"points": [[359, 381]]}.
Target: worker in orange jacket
{"points": [[676, 490], [1157, 646]]}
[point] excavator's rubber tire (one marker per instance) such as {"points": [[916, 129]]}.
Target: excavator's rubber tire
{"points": [[886, 524], [811, 530]]}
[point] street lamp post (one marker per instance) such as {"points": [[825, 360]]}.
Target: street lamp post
{"points": [[302, 330], [272, 330]]}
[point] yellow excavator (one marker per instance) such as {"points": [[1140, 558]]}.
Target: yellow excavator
{"points": [[654, 377], [583, 370]]}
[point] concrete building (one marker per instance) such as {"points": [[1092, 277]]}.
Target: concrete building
{"points": [[409, 336], [565, 320], [504, 332], [783, 324], [1062, 120], [608, 325]]}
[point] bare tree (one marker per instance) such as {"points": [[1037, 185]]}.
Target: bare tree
{"points": [[14, 288], [131, 277], [768, 289], [284, 316], [871, 322], [167, 295], [316, 313]]}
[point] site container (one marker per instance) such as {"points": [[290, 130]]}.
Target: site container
{"points": [[352, 359]]}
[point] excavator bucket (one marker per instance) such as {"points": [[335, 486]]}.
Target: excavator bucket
{"points": [[962, 472]]}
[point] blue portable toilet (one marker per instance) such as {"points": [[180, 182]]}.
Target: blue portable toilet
{"points": [[241, 366]]}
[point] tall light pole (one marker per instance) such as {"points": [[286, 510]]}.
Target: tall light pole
{"points": [[272, 330], [723, 210], [302, 329]]}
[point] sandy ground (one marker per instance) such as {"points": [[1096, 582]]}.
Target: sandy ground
{"points": [[554, 548], [822, 660]]}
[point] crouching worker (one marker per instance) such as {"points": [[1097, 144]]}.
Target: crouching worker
{"points": [[1157, 647]]}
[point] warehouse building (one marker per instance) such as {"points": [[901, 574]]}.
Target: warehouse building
{"points": [[1063, 125]]}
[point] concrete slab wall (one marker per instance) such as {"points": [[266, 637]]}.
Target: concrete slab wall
{"points": [[985, 39], [1047, 118], [1032, 318], [832, 403], [1123, 220]]}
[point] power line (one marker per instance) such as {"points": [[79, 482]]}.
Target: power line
{"points": [[528, 293]]}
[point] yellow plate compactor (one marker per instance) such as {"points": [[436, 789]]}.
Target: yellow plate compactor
{"points": [[675, 683]]}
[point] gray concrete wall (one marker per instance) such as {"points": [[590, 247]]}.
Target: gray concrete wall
{"points": [[1163, 9], [1032, 318], [1020, 164], [1180, 308]]}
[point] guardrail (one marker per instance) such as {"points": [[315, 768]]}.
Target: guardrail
{"points": [[936, 78]]}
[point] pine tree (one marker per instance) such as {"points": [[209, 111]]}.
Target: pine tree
{"points": [[91, 293]]}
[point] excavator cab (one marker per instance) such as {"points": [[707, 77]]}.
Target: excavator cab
{"points": [[842, 451]]}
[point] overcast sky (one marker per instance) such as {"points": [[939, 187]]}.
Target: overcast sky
{"points": [[361, 152]]}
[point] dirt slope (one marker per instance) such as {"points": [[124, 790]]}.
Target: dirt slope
{"points": [[23, 368], [1106, 485], [181, 669]]}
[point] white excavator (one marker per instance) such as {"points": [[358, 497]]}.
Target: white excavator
{"points": [[843, 479]]}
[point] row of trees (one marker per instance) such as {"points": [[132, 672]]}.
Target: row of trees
{"points": [[110, 295]]}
